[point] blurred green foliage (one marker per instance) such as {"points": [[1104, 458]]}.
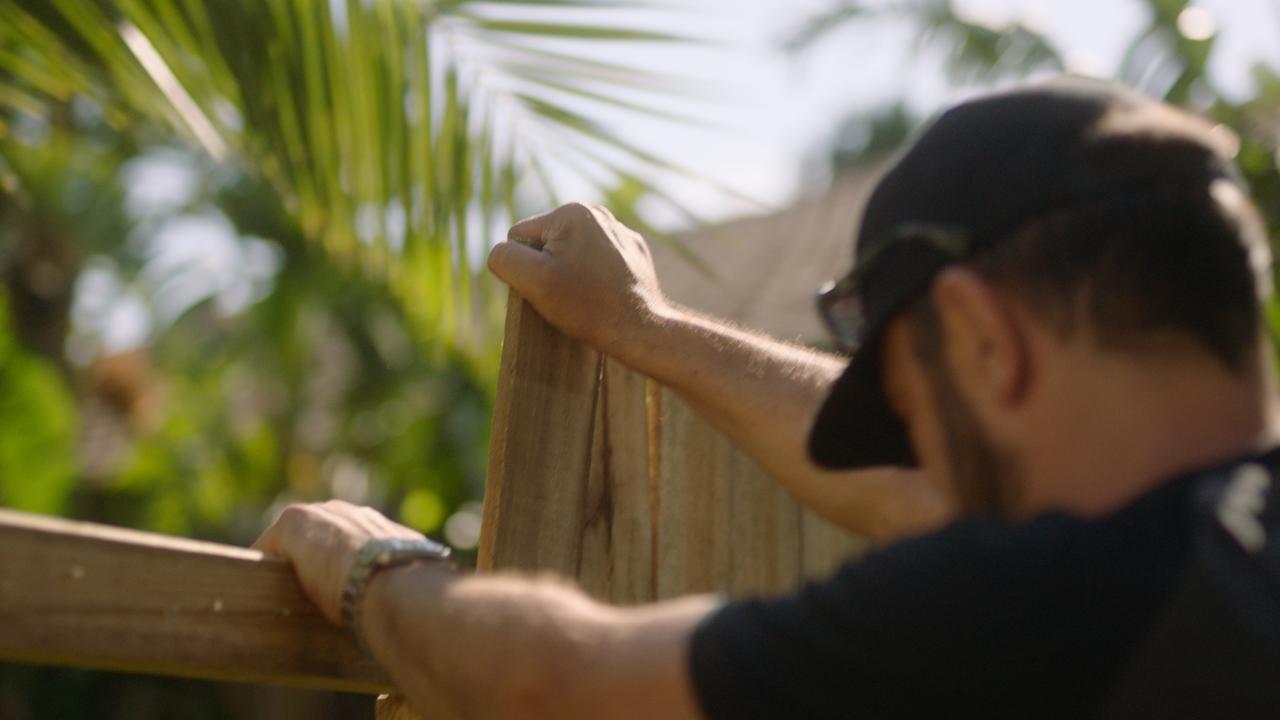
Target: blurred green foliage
{"points": [[321, 386], [241, 254], [37, 427]]}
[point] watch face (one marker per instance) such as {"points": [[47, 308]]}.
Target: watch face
{"points": [[377, 555], [402, 549]]}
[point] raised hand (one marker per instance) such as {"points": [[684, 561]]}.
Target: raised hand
{"points": [[585, 272]]}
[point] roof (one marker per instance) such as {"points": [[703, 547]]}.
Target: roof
{"points": [[767, 268]]}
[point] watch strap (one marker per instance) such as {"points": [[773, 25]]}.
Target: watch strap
{"points": [[376, 555]]}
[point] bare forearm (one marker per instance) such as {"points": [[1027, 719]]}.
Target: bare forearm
{"points": [[763, 394], [491, 645], [465, 644], [504, 646], [593, 278]]}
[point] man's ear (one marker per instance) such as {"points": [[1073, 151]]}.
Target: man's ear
{"points": [[983, 340]]}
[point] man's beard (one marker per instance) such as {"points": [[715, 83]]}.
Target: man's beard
{"points": [[982, 475]]}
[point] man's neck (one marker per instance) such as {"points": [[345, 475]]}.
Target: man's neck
{"points": [[1144, 423]]}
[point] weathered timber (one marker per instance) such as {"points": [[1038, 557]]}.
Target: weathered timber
{"points": [[599, 475], [617, 557], [540, 448], [104, 598]]}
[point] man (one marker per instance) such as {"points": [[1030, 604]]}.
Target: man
{"points": [[1055, 321]]}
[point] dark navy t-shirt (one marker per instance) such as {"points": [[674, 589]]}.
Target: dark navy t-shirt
{"points": [[982, 619]]}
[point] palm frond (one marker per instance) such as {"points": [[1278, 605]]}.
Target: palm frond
{"points": [[391, 128], [978, 50]]}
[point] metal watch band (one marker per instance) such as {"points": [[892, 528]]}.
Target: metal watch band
{"points": [[380, 554]]}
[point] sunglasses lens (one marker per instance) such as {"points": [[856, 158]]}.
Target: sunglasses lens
{"points": [[906, 260], [841, 310]]}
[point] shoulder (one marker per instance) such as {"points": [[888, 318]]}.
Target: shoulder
{"points": [[1047, 547], [1211, 649], [978, 606]]}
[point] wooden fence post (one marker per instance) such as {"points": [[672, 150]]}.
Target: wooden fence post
{"points": [[600, 476]]}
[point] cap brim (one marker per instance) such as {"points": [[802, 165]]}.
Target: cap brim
{"points": [[855, 426]]}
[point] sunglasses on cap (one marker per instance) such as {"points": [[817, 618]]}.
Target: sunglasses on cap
{"points": [[894, 272]]}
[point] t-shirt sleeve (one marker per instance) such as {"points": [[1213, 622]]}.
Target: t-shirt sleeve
{"points": [[962, 618]]}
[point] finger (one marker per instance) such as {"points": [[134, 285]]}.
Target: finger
{"points": [[268, 543], [604, 212], [339, 523], [518, 265], [275, 539], [532, 230], [393, 529], [367, 519]]}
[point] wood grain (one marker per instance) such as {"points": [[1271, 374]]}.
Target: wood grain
{"points": [[598, 474], [694, 515], [104, 598], [541, 448], [617, 549], [725, 525]]}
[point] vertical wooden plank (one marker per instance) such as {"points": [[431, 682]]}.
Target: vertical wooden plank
{"points": [[653, 483], [617, 531], [724, 526], [764, 533], [540, 452], [693, 518], [568, 484], [598, 474]]}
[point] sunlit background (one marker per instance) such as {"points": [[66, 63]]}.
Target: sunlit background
{"points": [[241, 243]]}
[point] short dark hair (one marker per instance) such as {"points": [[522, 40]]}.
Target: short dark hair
{"points": [[1174, 258]]}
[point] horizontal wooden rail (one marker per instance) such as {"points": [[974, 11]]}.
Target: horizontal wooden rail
{"points": [[103, 598]]}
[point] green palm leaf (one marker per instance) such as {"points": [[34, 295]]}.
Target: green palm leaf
{"points": [[395, 130], [976, 50]]}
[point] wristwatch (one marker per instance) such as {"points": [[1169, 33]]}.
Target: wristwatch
{"points": [[377, 555]]}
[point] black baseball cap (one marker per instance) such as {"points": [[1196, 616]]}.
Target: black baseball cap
{"points": [[981, 171]]}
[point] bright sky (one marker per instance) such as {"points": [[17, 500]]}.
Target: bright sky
{"points": [[784, 108]]}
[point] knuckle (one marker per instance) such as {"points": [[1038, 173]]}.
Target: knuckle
{"points": [[293, 514], [519, 232], [339, 507], [529, 230], [577, 210]]}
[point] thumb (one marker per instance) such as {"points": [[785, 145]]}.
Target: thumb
{"points": [[518, 265]]}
